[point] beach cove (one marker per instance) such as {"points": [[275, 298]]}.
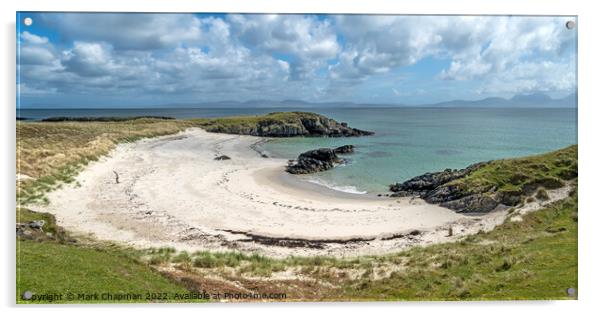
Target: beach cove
{"points": [[169, 191]]}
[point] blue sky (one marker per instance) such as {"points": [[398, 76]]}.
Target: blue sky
{"points": [[95, 60]]}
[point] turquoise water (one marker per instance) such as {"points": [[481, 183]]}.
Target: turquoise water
{"points": [[408, 141], [412, 141]]}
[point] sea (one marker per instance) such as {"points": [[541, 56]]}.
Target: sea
{"points": [[407, 141]]}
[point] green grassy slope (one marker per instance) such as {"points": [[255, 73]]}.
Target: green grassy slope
{"points": [[55, 268], [523, 175], [532, 259]]}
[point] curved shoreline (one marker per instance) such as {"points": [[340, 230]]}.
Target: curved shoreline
{"points": [[173, 193]]}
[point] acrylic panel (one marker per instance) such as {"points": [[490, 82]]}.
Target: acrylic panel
{"points": [[221, 157]]}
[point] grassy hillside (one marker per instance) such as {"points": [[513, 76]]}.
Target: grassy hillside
{"points": [[57, 268], [523, 175]]}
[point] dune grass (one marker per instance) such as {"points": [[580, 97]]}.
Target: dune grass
{"points": [[51, 153], [523, 175]]}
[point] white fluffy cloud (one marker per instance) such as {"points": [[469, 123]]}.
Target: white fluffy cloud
{"points": [[307, 41], [126, 31], [520, 55], [487, 49], [209, 58]]}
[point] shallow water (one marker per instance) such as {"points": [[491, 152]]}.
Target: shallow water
{"points": [[412, 141]]}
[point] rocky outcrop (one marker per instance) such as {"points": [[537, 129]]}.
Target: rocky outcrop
{"points": [[318, 160], [345, 149], [424, 184], [285, 124], [314, 161], [485, 186], [222, 157], [439, 188]]}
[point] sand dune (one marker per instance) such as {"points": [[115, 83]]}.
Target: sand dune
{"points": [[171, 192]]}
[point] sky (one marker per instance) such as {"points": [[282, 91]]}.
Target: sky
{"points": [[113, 59]]}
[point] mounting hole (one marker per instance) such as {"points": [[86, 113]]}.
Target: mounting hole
{"points": [[571, 292], [27, 295], [27, 21], [570, 24]]}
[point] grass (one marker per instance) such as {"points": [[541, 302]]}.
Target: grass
{"points": [[250, 124], [55, 268], [517, 260], [25, 215], [522, 176]]}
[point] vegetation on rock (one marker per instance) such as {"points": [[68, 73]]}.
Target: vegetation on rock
{"points": [[482, 187], [281, 124]]}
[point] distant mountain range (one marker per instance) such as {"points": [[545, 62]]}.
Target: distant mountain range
{"points": [[535, 100]]}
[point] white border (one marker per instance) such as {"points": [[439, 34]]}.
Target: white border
{"points": [[589, 133]]}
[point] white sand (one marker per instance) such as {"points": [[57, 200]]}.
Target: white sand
{"points": [[171, 192]]}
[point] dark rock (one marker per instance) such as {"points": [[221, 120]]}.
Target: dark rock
{"points": [[509, 198], [546, 182], [318, 160], [314, 161], [345, 149], [476, 203], [436, 188], [422, 184], [222, 157], [37, 224]]}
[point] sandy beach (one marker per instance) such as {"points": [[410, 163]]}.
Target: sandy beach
{"points": [[170, 191]]}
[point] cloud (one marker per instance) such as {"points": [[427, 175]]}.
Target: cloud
{"points": [[126, 31], [344, 57], [33, 39], [521, 55], [482, 49], [89, 60], [307, 41]]}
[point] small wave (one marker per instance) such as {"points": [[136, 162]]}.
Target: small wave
{"points": [[341, 188]]}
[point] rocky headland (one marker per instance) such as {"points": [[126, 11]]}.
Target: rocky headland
{"points": [[283, 124], [485, 186]]}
